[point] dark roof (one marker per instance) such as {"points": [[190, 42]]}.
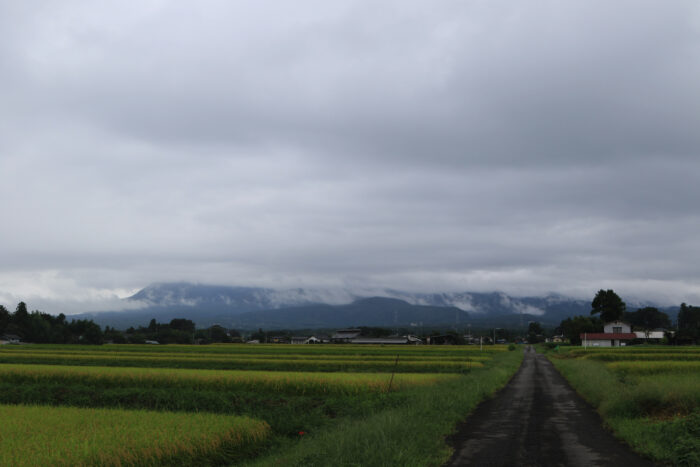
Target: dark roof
{"points": [[380, 340], [596, 336], [346, 334], [11, 337]]}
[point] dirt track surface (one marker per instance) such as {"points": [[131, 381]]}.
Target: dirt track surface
{"points": [[538, 420]]}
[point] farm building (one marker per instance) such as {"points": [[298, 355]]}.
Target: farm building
{"points": [[304, 340], [10, 339], [390, 340], [278, 340], [344, 336], [354, 336], [615, 334]]}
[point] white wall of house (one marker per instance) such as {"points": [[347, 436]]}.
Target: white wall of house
{"points": [[616, 326], [652, 334], [606, 343]]}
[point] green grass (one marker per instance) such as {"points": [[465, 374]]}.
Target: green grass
{"points": [[653, 405]]}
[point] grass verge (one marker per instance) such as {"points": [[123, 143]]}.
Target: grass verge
{"points": [[657, 415]]}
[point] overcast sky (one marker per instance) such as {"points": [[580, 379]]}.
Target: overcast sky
{"points": [[525, 147]]}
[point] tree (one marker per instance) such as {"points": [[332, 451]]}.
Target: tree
{"points": [[689, 324], [534, 332], [609, 305], [181, 324], [648, 318], [572, 328], [4, 319]]}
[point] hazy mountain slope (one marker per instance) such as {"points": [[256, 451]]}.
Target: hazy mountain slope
{"points": [[252, 307], [375, 311]]}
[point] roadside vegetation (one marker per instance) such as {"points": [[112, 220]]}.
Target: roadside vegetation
{"points": [[313, 405], [648, 396]]}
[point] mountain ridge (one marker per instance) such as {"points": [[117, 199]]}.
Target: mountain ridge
{"points": [[257, 307], [253, 307]]}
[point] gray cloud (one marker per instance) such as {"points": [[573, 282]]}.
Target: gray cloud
{"points": [[453, 146]]}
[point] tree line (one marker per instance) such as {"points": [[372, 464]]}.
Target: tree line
{"points": [[43, 328]]}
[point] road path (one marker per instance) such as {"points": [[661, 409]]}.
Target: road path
{"points": [[538, 420]]}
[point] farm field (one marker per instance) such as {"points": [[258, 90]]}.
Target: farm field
{"points": [[270, 404], [649, 396]]}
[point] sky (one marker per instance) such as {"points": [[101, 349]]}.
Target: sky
{"points": [[524, 147]]}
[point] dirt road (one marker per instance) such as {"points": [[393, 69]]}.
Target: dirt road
{"points": [[538, 420]]}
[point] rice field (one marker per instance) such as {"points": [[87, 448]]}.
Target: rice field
{"points": [[650, 396], [36, 436], [410, 362], [230, 404], [280, 382]]}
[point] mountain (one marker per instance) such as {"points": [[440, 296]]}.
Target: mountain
{"points": [[374, 311], [253, 307]]}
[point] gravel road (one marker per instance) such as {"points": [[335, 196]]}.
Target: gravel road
{"points": [[538, 420]]}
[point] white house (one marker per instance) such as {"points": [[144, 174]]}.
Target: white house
{"points": [[10, 339], [615, 334]]}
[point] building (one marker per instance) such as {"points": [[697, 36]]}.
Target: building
{"points": [[353, 336], [654, 336], [615, 334], [10, 339], [344, 336], [304, 340], [278, 340], [389, 340]]}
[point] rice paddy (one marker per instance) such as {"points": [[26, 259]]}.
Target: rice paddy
{"points": [[226, 404], [357, 360], [281, 382], [36, 435]]}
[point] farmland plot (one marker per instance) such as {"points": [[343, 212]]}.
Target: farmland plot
{"points": [[36, 435], [318, 400]]}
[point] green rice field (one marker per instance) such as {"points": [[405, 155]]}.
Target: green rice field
{"points": [[37, 435], [649, 396], [240, 404]]}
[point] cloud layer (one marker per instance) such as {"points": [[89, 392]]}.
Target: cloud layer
{"points": [[548, 146]]}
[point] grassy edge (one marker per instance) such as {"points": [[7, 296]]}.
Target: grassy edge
{"points": [[412, 435], [664, 441]]}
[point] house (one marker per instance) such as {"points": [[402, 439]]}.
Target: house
{"points": [[344, 336], [444, 339], [615, 334], [278, 340], [389, 340], [151, 342], [323, 339], [10, 339], [304, 340], [655, 335]]}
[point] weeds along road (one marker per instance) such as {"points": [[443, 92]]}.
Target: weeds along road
{"points": [[538, 420]]}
